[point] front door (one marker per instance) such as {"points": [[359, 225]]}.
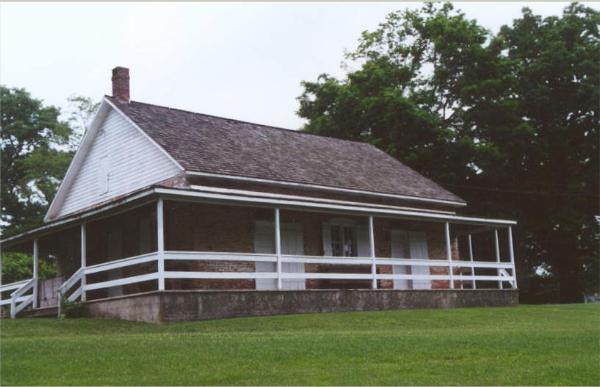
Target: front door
{"points": [[400, 249], [411, 245], [292, 243], [418, 250]]}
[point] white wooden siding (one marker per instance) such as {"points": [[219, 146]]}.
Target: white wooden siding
{"points": [[120, 160]]}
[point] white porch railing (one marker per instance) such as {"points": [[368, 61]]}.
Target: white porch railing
{"points": [[75, 287], [78, 278], [18, 299]]}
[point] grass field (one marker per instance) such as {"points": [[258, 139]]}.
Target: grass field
{"points": [[541, 345]]}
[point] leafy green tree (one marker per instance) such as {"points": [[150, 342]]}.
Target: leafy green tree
{"points": [[19, 266], [34, 158], [508, 121], [554, 63]]}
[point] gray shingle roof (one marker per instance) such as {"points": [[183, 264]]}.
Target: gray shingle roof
{"points": [[204, 143]]}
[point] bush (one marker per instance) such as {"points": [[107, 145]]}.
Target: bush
{"points": [[19, 266]]}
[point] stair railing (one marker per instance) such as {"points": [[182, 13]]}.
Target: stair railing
{"points": [[18, 300], [67, 285]]}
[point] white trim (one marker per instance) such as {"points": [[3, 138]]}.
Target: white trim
{"points": [[122, 281], [512, 256], [473, 283], [278, 249], [36, 270], [449, 255], [83, 256], [160, 243], [119, 263], [324, 206], [372, 253], [324, 187], [497, 250], [218, 256], [308, 198]]}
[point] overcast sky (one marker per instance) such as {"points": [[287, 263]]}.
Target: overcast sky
{"points": [[237, 60]]}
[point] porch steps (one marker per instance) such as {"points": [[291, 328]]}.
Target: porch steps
{"points": [[50, 311]]}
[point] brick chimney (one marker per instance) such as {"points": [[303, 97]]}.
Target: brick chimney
{"points": [[120, 83]]}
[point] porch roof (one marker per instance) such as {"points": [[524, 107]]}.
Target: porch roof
{"points": [[251, 198]]}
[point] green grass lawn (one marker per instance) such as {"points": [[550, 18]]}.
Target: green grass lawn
{"points": [[541, 345]]}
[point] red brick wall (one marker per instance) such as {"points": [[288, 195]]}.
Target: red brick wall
{"points": [[208, 227]]}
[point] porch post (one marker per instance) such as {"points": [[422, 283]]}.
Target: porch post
{"points": [[512, 255], [36, 269], [372, 253], [278, 248], [497, 245], [449, 255], [83, 254], [160, 243], [474, 283]]}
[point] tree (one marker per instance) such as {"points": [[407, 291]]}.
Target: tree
{"points": [[34, 158], [554, 63], [81, 111], [19, 266], [508, 121]]}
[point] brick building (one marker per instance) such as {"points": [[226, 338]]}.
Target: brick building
{"points": [[166, 208]]}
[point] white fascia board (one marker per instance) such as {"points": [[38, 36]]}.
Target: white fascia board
{"points": [[130, 121], [77, 160], [317, 205], [309, 199], [326, 188]]}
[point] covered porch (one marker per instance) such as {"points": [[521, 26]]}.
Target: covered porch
{"points": [[230, 240]]}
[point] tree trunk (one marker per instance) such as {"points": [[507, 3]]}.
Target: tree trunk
{"points": [[565, 254]]}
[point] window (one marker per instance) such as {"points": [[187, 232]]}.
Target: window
{"points": [[343, 241]]}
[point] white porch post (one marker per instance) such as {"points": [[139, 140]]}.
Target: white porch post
{"points": [[372, 253], [278, 248], [473, 282], [83, 253], [160, 243], [449, 255], [497, 246], [512, 255], [36, 269]]}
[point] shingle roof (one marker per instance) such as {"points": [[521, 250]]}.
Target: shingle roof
{"points": [[204, 143]]}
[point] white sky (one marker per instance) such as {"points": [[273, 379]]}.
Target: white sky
{"points": [[238, 60]]}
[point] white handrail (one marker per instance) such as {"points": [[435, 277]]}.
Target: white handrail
{"points": [[15, 305], [8, 300], [12, 285], [119, 263], [68, 284]]}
